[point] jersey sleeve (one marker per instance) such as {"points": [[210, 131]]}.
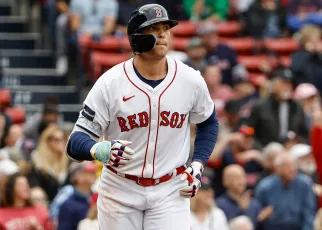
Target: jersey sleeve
{"points": [[94, 117], [203, 105]]}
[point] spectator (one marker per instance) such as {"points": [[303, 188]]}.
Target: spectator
{"points": [[270, 152], [291, 195], [217, 51], [307, 61], [245, 91], [50, 161], [239, 149], [231, 120], [93, 17], [301, 12], [265, 19], [7, 168], [219, 92], [236, 201], [307, 94], [17, 210], [11, 143], [302, 153], [39, 197], [196, 55], [64, 193], [316, 137], [74, 209], [241, 223], [38, 121], [204, 215], [290, 140], [91, 222], [273, 116], [210, 10], [62, 7]]}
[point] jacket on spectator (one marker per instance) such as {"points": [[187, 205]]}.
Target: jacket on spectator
{"points": [[232, 209], [294, 205], [72, 211], [257, 20], [307, 68], [264, 119]]}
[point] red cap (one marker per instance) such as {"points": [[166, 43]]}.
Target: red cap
{"points": [[246, 130]]}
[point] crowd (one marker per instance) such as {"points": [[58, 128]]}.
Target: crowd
{"points": [[265, 171]]}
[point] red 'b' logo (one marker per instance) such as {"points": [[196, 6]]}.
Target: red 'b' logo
{"points": [[158, 12]]}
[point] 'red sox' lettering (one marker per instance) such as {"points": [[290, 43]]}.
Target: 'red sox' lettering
{"points": [[174, 120]]}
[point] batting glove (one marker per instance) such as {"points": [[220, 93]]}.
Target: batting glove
{"points": [[193, 175], [114, 152]]}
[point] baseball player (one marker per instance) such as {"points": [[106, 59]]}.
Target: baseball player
{"points": [[142, 109]]}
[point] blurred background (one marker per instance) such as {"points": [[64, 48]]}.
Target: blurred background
{"points": [[261, 60]]}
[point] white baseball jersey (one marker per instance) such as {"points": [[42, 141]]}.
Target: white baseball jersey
{"points": [[156, 120]]}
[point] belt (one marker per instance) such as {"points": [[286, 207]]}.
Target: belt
{"points": [[145, 182]]}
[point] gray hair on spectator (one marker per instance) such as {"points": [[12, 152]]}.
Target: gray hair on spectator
{"points": [[240, 222], [281, 158], [271, 148]]}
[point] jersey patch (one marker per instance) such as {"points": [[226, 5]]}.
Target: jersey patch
{"points": [[89, 126], [88, 113]]}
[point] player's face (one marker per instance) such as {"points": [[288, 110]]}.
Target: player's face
{"points": [[162, 33]]}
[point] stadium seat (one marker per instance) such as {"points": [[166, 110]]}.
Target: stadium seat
{"points": [[257, 79], [228, 28], [282, 45], [180, 43], [102, 61], [5, 9], [240, 45], [253, 63], [184, 29], [110, 43], [286, 61], [5, 98], [17, 114], [12, 24]]}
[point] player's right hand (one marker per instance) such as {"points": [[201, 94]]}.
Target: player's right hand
{"points": [[114, 152]]}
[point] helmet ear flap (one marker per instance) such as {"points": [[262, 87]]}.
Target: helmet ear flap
{"points": [[143, 42]]}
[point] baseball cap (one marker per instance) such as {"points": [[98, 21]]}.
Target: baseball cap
{"points": [[8, 167], [206, 28], [85, 166], [193, 43], [283, 73], [205, 183], [304, 91], [232, 107], [240, 74], [246, 130], [300, 150]]}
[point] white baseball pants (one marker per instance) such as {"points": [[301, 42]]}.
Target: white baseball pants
{"points": [[124, 205]]}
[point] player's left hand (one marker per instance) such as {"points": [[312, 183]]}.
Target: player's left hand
{"points": [[193, 175]]}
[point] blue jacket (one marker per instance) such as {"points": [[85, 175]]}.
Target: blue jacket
{"points": [[294, 205], [72, 211], [232, 209]]}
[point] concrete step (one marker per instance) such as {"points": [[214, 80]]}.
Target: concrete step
{"points": [[27, 59], [23, 95]]}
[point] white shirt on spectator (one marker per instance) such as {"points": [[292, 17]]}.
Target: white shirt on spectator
{"points": [[88, 224], [216, 220]]}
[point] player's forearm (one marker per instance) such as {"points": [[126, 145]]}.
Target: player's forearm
{"points": [[79, 146], [206, 137]]}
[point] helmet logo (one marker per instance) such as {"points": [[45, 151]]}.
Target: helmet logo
{"points": [[158, 12]]}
